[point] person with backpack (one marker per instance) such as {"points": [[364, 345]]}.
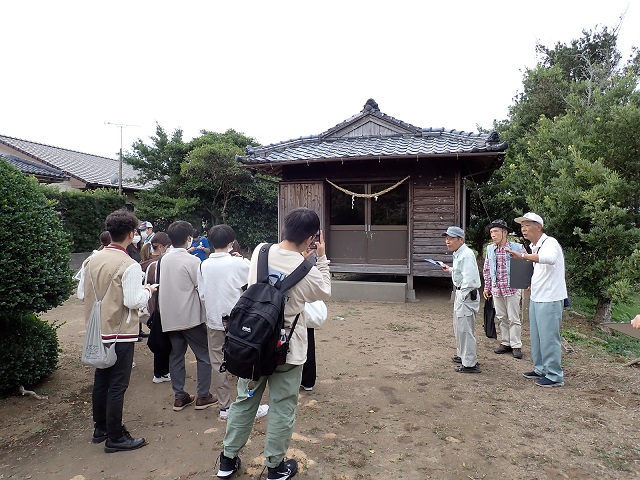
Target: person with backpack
{"points": [[183, 318], [221, 280], [300, 227], [114, 278]]}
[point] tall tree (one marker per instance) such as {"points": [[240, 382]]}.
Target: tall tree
{"points": [[574, 159]]}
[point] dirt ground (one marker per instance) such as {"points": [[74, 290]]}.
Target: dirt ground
{"points": [[387, 404]]}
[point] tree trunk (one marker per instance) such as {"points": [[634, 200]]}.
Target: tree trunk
{"points": [[603, 311]]}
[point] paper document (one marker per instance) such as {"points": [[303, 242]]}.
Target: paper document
{"points": [[435, 262], [624, 328]]}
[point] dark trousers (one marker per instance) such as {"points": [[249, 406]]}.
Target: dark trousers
{"points": [[109, 387], [309, 368], [161, 363]]}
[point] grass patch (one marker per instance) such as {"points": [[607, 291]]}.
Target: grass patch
{"points": [[398, 327]]}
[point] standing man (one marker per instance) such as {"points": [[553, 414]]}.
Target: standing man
{"points": [[506, 300], [146, 232], [199, 246], [183, 317], [113, 276], [300, 228], [548, 291], [466, 281]]}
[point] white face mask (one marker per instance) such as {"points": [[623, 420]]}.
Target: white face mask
{"points": [[189, 241], [144, 234], [136, 239]]}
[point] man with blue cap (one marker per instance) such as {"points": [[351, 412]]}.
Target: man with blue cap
{"points": [[466, 281]]}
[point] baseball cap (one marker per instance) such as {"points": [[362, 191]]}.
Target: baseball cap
{"points": [[533, 217], [454, 232], [145, 225]]}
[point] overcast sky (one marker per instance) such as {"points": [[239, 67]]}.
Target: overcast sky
{"points": [[274, 70]]}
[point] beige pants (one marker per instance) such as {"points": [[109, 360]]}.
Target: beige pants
{"points": [[220, 381], [508, 319]]}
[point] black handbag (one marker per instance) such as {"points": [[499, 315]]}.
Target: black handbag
{"points": [[490, 319], [158, 341]]}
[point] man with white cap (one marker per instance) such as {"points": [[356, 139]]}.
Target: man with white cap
{"points": [[466, 281], [146, 229], [548, 291]]}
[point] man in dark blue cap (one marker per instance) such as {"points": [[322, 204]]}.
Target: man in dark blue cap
{"points": [[466, 281]]}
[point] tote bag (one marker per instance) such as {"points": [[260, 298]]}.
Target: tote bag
{"points": [[95, 353]]}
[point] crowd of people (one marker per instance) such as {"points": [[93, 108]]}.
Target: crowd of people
{"points": [[137, 271], [194, 282]]}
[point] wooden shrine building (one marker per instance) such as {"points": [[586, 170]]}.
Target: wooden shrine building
{"points": [[385, 190]]}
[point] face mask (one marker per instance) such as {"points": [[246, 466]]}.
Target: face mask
{"points": [[144, 235], [136, 239], [189, 241]]}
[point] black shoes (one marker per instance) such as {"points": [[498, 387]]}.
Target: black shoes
{"points": [[532, 375], [228, 466], [124, 443], [502, 349], [456, 359], [517, 353], [474, 369], [286, 469], [99, 435]]}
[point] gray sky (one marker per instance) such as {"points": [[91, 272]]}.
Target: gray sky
{"points": [[274, 70]]}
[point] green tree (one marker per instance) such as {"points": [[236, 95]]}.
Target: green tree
{"points": [[205, 184], [35, 277], [573, 158]]}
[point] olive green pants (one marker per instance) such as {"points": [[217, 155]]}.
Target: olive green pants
{"points": [[284, 387]]}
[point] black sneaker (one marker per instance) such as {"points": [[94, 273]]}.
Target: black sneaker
{"points": [[456, 359], [533, 375], [474, 369], [286, 469], [228, 466]]}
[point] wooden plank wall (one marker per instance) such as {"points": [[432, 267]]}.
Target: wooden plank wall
{"points": [[300, 194], [435, 207]]}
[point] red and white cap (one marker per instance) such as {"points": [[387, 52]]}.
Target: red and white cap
{"points": [[533, 217]]}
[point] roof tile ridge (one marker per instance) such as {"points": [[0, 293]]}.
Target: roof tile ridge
{"points": [[59, 148]]}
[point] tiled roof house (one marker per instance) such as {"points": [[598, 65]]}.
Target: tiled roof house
{"points": [[384, 189], [83, 170]]}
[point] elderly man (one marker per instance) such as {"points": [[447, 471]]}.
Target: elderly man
{"points": [[506, 300], [466, 281], [548, 291]]}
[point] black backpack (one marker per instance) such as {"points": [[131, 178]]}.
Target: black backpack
{"points": [[251, 347]]}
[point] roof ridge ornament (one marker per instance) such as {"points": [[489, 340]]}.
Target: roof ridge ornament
{"points": [[370, 106]]}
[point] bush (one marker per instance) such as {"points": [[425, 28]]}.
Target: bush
{"points": [[34, 249], [28, 351], [83, 213]]}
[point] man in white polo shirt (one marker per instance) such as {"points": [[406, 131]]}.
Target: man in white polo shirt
{"points": [[548, 291]]}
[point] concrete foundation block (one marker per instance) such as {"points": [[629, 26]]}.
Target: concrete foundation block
{"points": [[369, 291]]}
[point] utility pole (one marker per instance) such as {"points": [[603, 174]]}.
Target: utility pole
{"points": [[121, 126]]}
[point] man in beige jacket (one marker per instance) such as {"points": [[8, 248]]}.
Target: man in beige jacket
{"points": [[183, 317]]}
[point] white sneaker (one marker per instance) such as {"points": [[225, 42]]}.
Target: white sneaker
{"points": [[307, 389], [263, 410], [163, 378]]}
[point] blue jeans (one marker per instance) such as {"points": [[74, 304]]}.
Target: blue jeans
{"points": [[545, 319]]}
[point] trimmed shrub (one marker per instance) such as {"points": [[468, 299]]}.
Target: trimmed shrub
{"points": [[83, 213], [28, 351], [34, 249]]}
